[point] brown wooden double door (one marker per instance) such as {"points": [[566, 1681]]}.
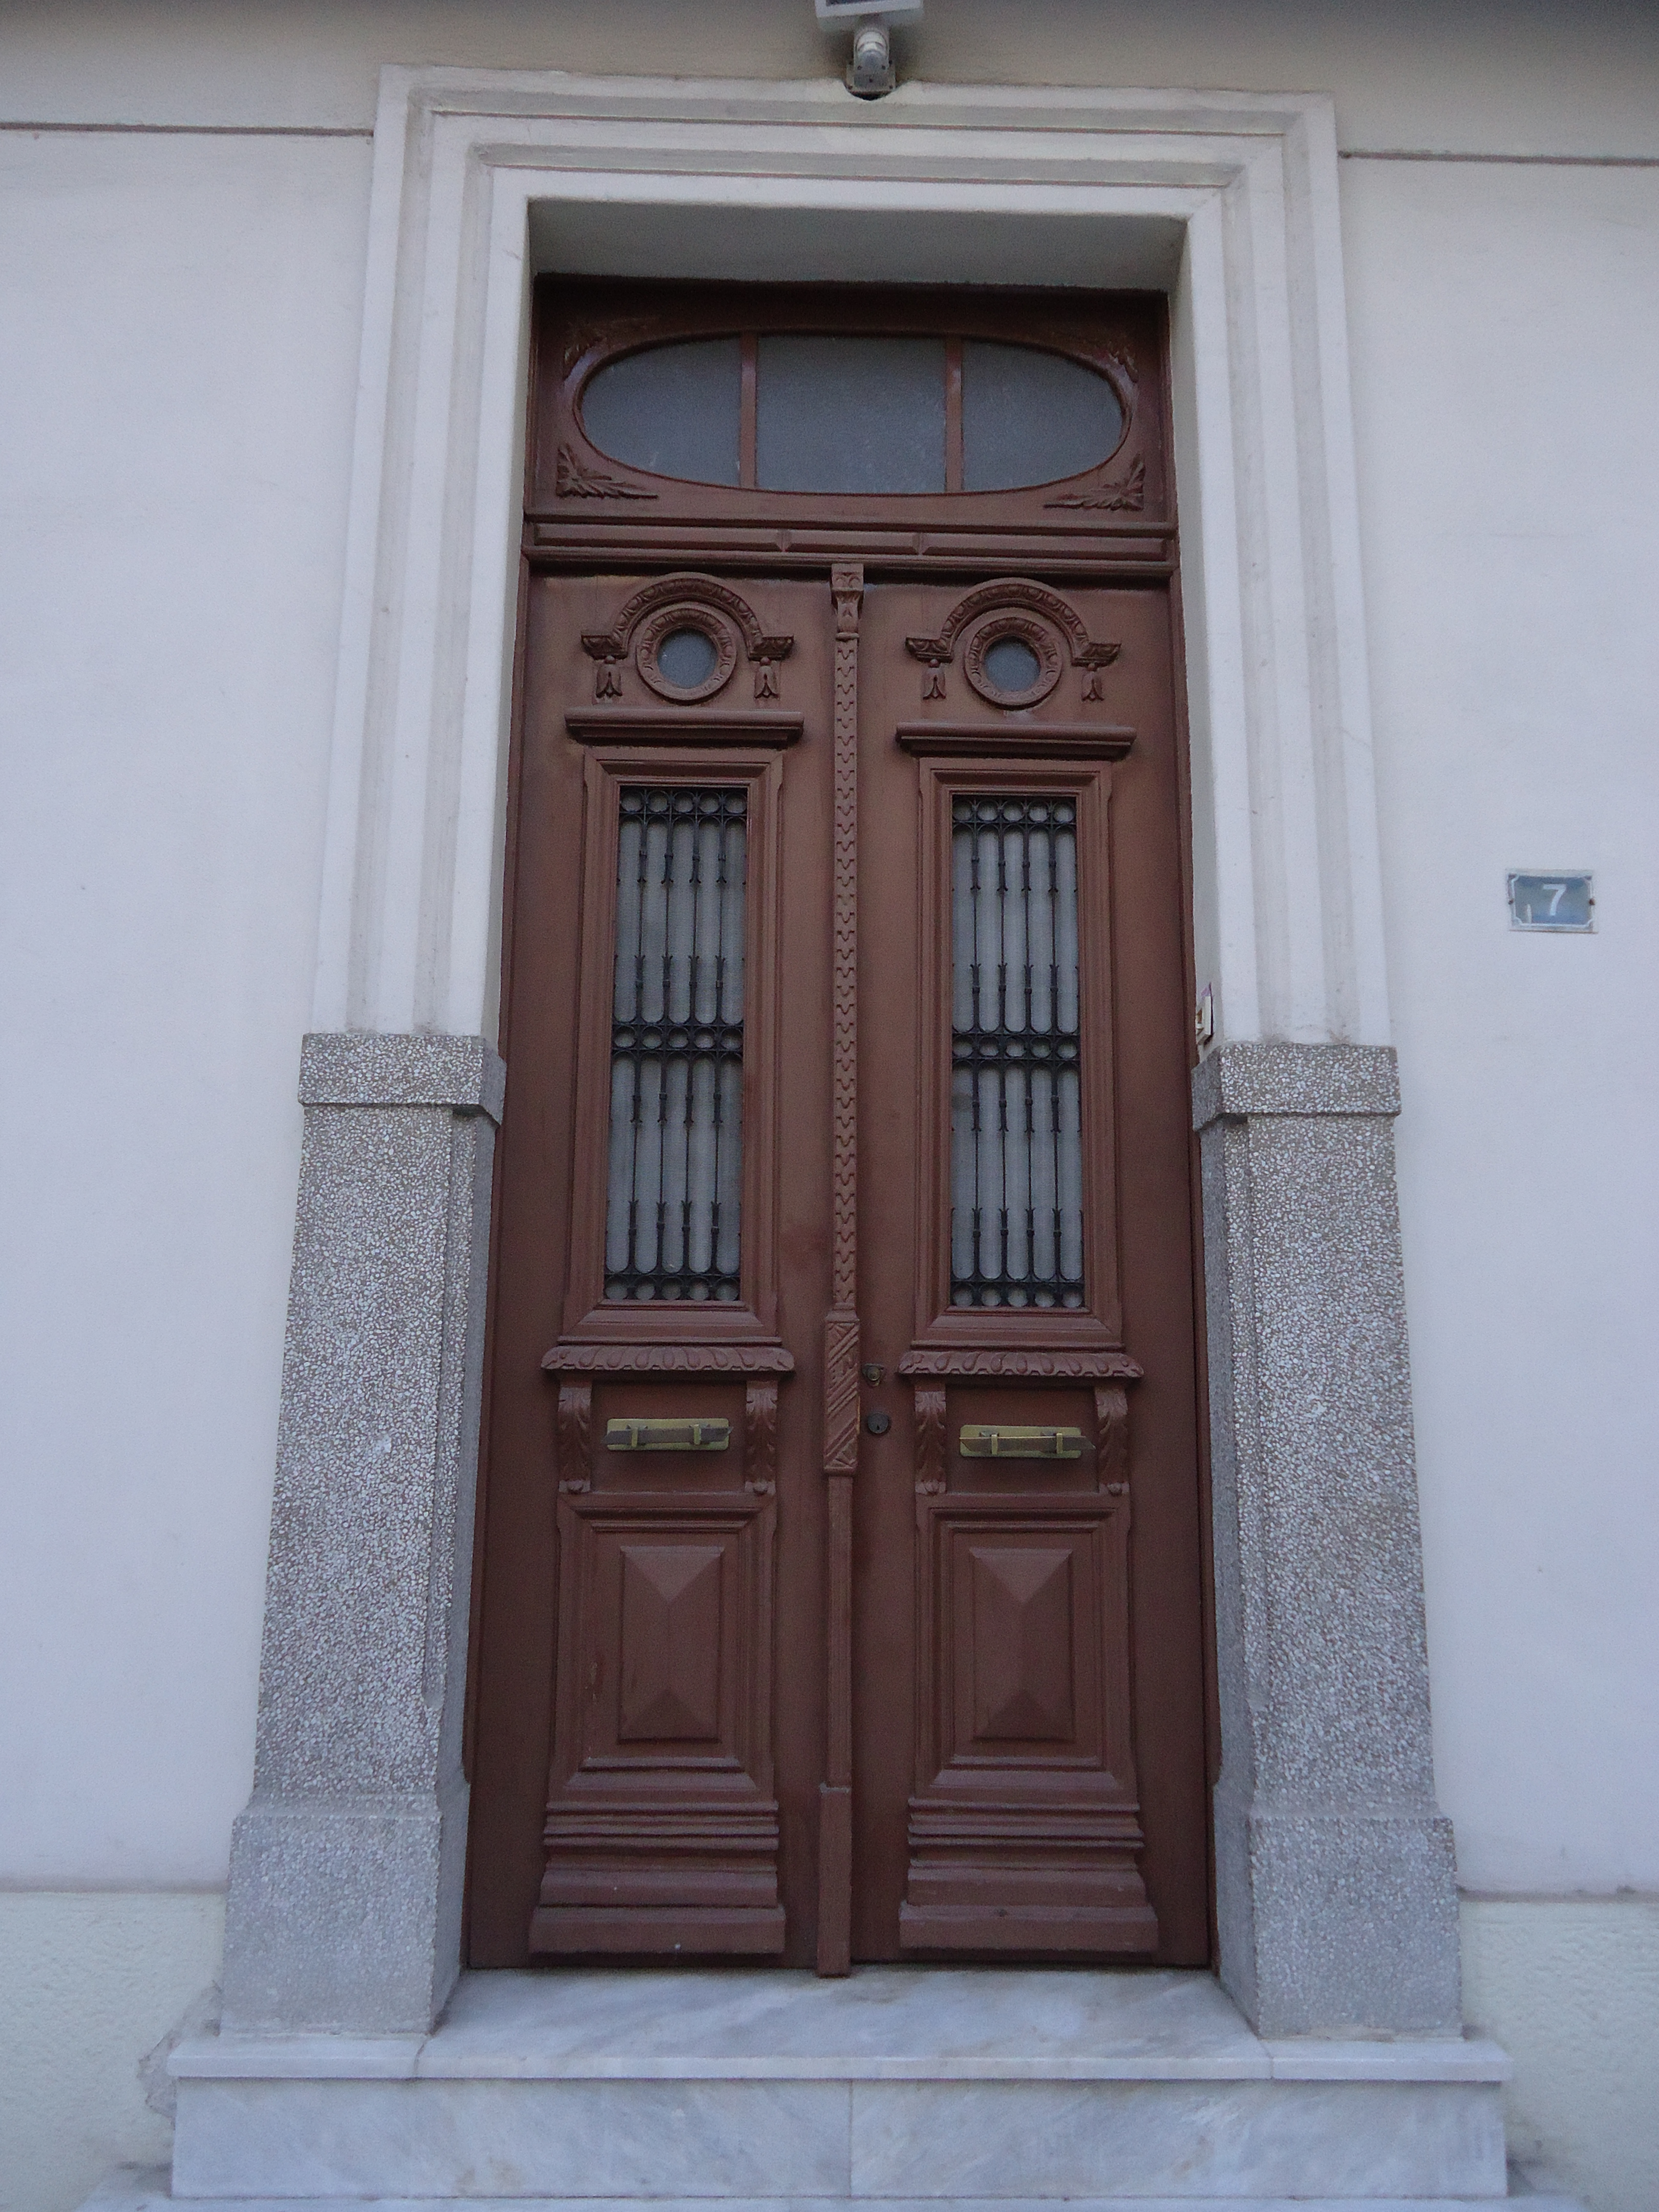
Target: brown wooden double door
{"points": [[840, 1591]]}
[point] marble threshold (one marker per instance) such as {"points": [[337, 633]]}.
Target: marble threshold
{"points": [[144, 2188], [770, 2091], [879, 2024]]}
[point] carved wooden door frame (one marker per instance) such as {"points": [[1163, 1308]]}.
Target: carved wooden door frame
{"points": [[615, 1875]]}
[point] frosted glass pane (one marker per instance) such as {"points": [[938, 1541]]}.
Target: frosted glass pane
{"points": [[674, 1188], [672, 408], [1030, 417], [1016, 1118], [688, 657], [850, 414], [1011, 665]]}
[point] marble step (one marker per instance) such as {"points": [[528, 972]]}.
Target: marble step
{"points": [[134, 2190], [904, 2084]]}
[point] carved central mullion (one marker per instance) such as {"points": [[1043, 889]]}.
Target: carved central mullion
{"points": [[841, 1328], [841, 1432]]}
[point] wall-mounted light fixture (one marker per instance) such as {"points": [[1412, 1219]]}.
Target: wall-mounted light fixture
{"points": [[870, 69]]}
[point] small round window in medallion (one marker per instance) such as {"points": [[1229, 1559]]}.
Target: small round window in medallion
{"points": [[686, 659], [1010, 664], [685, 653], [1012, 659]]}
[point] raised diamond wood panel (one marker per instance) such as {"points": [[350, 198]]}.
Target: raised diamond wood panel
{"points": [[1022, 1645], [670, 1643]]}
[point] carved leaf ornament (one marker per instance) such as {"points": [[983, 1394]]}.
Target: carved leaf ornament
{"points": [[577, 481], [1125, 494]]}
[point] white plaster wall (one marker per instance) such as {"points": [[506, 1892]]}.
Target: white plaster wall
{"points": [[178, 352], [1505, 324], [1488, 75], [91, 1987], [1570, 1988]]}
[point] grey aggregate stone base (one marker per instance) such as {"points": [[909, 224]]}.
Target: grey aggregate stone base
{"points": [[1295, 1078], [1335, 1883], [357, 1068], [345, 1884], [345, 1916]]}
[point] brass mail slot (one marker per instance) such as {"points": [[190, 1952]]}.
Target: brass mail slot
{"points": [[981, 1440], [667, 1436]]}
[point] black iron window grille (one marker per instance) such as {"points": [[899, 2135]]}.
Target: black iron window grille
{"points": [[1016, 1115], [675, 1184]]}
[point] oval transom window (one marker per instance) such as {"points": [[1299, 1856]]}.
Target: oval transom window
{"points": [[837, 413]]}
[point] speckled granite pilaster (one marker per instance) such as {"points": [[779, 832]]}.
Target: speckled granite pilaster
{"points": [[345, 1886], [1335, 1889]]}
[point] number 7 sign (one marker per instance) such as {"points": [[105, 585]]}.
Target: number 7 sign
{"points": [[1562, 899]]}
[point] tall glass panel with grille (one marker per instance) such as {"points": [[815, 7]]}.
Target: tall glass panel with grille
{"points": [[1016, 1120], [672, 1217]]}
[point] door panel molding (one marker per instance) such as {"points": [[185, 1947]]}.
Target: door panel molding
{"points": [[682, 727], [1053, 741], [687, 1359], [1014, 1363]]}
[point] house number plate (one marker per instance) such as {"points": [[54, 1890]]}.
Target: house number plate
{"points": [[1558, 899]]}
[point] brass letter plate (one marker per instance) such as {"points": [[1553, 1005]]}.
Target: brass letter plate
{"points": [[980, 1440], [667, 1436]]}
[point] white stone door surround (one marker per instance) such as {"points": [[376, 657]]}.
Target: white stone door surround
{"points": [[1335, 1887]]}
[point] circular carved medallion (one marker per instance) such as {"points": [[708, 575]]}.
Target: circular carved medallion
{"points": [[685, 653], [1012, 658]]}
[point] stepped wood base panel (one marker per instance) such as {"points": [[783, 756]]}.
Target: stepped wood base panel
{"points": [[1016, 1878], [907, 2084], [657, 1931]]}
